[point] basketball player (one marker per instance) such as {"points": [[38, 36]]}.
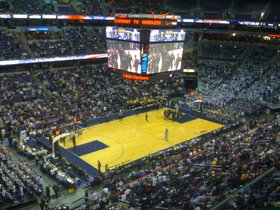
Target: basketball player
{"points": [[146, 117], [99, 166], [166, 134]]}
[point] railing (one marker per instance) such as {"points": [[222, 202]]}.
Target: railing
{"points": [[221, 204]]}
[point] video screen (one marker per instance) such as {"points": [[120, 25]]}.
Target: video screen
{"points": [[165, 57], [126, 34], [167, 35], [124, 56]]}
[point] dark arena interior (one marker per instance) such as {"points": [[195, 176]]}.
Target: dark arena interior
{"points": [[151, 105]]}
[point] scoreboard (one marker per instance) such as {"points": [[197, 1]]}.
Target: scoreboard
{"points": [[126, 34], [171, 35], [145, 51], [144, 35]]}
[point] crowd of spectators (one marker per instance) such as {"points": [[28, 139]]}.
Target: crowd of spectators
{"points": [[267, 85], [93, 91], [24, 104], [86, 7], [210, 49], [242, 88], [260, 55], [214, 76], [264, 194], [48, 44], [17, 180], [274, 96], [69, 41], [221, 50], [98, 201], [226, 51], [232, 51], [10, 48], [57, 42], [90, 7], [89, 92], [84, 40], [210, 171], [30, 7], [49, 48]]}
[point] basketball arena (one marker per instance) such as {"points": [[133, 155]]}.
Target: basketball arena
{"points": [[129, 105]]}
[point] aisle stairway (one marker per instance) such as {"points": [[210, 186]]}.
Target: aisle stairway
{"points": [[21, 37]]}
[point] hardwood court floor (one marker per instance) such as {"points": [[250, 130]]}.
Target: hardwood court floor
{"points": [[132, 137]]}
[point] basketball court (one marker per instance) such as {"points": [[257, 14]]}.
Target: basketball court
{"points": [[125, 140]]}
